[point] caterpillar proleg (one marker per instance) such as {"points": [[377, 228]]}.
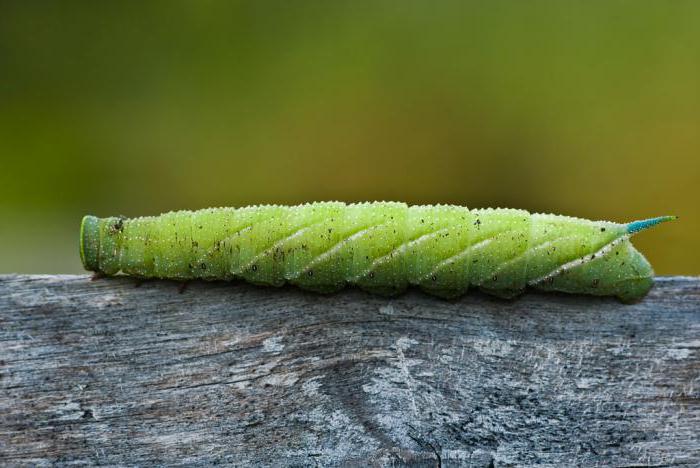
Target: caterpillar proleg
{"points": [[382, 247]]}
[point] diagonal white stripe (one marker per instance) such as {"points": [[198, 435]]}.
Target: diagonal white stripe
{"points": [[398, 250], [337, 247], [576, 262], [276, 245], [529, 250], [458, 256]]}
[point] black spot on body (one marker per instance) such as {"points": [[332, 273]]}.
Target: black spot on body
{"points": [[118, 226]]}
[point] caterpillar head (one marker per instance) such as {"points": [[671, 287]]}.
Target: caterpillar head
{"points": [[100, 235]]}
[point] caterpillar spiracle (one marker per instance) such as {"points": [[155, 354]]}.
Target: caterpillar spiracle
{"points": [[382, 247]]}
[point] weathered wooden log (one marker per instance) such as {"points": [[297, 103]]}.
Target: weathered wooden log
{"points": [[116, 372]]}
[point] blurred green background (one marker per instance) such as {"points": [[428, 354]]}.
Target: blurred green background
{"points": [[586, 108]]}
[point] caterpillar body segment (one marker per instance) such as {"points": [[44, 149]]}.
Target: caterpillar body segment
{"points": [[380, 247]]}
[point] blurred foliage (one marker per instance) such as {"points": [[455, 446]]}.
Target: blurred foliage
{"points": [[587, 108]]}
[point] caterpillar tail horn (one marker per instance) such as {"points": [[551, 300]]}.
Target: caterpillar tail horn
{"points": [[636, 226]]}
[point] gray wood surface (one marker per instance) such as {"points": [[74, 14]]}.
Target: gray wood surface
{"points": [[116, 372]]}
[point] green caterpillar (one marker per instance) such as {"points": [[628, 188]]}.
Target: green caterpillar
{"points": [[380, 247]]}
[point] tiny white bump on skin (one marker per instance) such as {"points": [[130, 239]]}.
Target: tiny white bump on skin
{"points": [[578, 262]]}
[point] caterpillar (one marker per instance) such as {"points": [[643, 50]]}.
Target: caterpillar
{"points": [[381, 247]]}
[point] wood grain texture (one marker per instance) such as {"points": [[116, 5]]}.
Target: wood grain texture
{"points": [[105, 372]]}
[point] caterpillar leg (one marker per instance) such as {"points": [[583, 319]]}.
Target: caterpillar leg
{"points": [[97, 276], [503, 293], [326, 288]]}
